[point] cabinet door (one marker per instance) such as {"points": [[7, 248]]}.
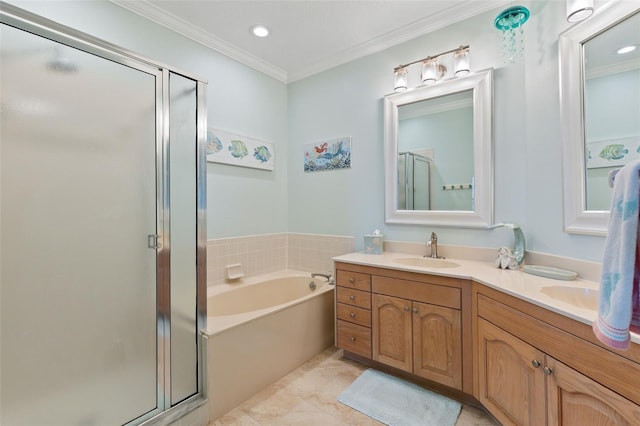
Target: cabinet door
{"points": [[392, 331], [575, 399], [437, 344], [511, 381]]}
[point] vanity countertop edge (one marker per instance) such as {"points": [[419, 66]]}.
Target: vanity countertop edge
{"points": [[513, 282]]}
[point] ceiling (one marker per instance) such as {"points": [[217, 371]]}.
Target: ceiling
{"points": [[307, 36]]}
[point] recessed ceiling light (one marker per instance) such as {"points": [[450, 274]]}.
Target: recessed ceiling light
{"points": [[260, 30], [626, 49]]}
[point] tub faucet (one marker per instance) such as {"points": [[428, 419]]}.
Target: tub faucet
{"points": [[433, 244], [328, 277]]}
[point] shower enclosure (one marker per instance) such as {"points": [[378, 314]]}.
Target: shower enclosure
{"points": [[414, 181], [102, 233]]}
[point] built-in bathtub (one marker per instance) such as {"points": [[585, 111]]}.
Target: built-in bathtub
{"points": [[260, 330]]}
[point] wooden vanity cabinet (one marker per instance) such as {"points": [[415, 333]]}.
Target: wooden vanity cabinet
{"points": [[421, 338], [353, 310], [522, 379]]}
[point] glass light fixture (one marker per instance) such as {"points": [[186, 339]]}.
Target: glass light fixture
{"points": [[510, 22], [432, 70], [400, 79], [579, 10], [429, 71], [461, 62]]}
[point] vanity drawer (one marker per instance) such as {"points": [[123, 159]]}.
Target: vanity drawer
{"points": [[353, 280], [354, 314], [441, 295], [361, 299], [354, 338]]}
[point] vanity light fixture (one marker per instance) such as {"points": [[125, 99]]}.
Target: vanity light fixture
{"points": [[432, 69], [579, 10], [260, 30]]}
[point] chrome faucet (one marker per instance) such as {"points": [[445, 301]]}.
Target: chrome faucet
{"points": [[328, 277], [433, 243]]}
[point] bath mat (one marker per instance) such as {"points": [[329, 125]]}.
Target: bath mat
{"points": [[395, 402]]}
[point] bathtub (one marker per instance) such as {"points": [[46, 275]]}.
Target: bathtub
{"points": [[262, 329]]}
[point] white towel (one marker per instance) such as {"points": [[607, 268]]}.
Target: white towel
{"points": [[618, 306]]}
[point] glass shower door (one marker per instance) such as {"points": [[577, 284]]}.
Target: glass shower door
{"points": [[78, 188]]}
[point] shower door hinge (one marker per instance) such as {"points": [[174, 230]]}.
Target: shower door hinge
{"points": [[154, 241]]}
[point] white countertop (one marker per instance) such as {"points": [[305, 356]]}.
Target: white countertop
{"points": [[513, 282]]}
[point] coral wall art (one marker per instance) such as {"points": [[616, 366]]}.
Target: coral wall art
{"points": [[328, 155], [228, 148]]}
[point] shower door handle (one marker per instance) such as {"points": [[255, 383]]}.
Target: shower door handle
{"points": [[153, 241]]}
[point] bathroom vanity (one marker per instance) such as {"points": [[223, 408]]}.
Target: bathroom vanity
{"points": [[481, 334]]}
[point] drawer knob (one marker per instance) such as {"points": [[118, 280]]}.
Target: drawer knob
{"points": [[352, 280], [352, 338], [352, 315], [352, 298], [415, 310], [406, 308], [535, 363], [547, 371]]}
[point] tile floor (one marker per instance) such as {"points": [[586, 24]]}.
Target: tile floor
{"points": [[307, 396]]}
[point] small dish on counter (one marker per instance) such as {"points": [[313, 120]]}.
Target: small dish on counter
{"points": [[549, 272]]}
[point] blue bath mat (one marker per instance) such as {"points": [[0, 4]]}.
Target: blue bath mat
{"points": [[395, 402]]}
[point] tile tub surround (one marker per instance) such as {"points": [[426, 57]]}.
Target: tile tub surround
{"points": [[262, 254], [308, 396], [513, 282]]}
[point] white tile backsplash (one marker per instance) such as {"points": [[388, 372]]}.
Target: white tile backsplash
{"points": [[260, 254]]}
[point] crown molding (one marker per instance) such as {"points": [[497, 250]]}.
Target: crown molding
{"points": [[458, 13], [401, 35], [168, 20]]}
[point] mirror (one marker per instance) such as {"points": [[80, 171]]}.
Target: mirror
{"points": [[438, 153], [600, 101]]}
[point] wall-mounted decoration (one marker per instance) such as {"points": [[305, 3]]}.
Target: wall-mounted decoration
{"points": [[612, 153], [228, 148], [328, 155]]}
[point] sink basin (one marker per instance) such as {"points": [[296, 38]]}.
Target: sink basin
{"points": [[426, 262], [581, 297]]}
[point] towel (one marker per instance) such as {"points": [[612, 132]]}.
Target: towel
{"points": [[619, 304]]}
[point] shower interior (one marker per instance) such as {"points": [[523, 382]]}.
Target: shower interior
{"points": [[102, 237], [414, 181]]}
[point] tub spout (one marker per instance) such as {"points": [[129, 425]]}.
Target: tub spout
{"points": [[328, 277]]}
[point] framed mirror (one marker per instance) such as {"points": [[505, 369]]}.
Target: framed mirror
{"points": [[438, 153], [600, 104]]}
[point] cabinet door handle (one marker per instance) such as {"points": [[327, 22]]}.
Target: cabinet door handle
{"points": [[352, 315], [352, 298], [535, 363], [415, 310], [406, 308], [352, 338], [547, 371], [352, 280]]}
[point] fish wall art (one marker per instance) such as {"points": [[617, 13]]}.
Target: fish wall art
{"points": [[612, 153], [228, 148], [328, 155]]}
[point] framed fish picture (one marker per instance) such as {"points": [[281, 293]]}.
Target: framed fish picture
{"points": [[229, 148], [612, 153], [328, 155]]}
